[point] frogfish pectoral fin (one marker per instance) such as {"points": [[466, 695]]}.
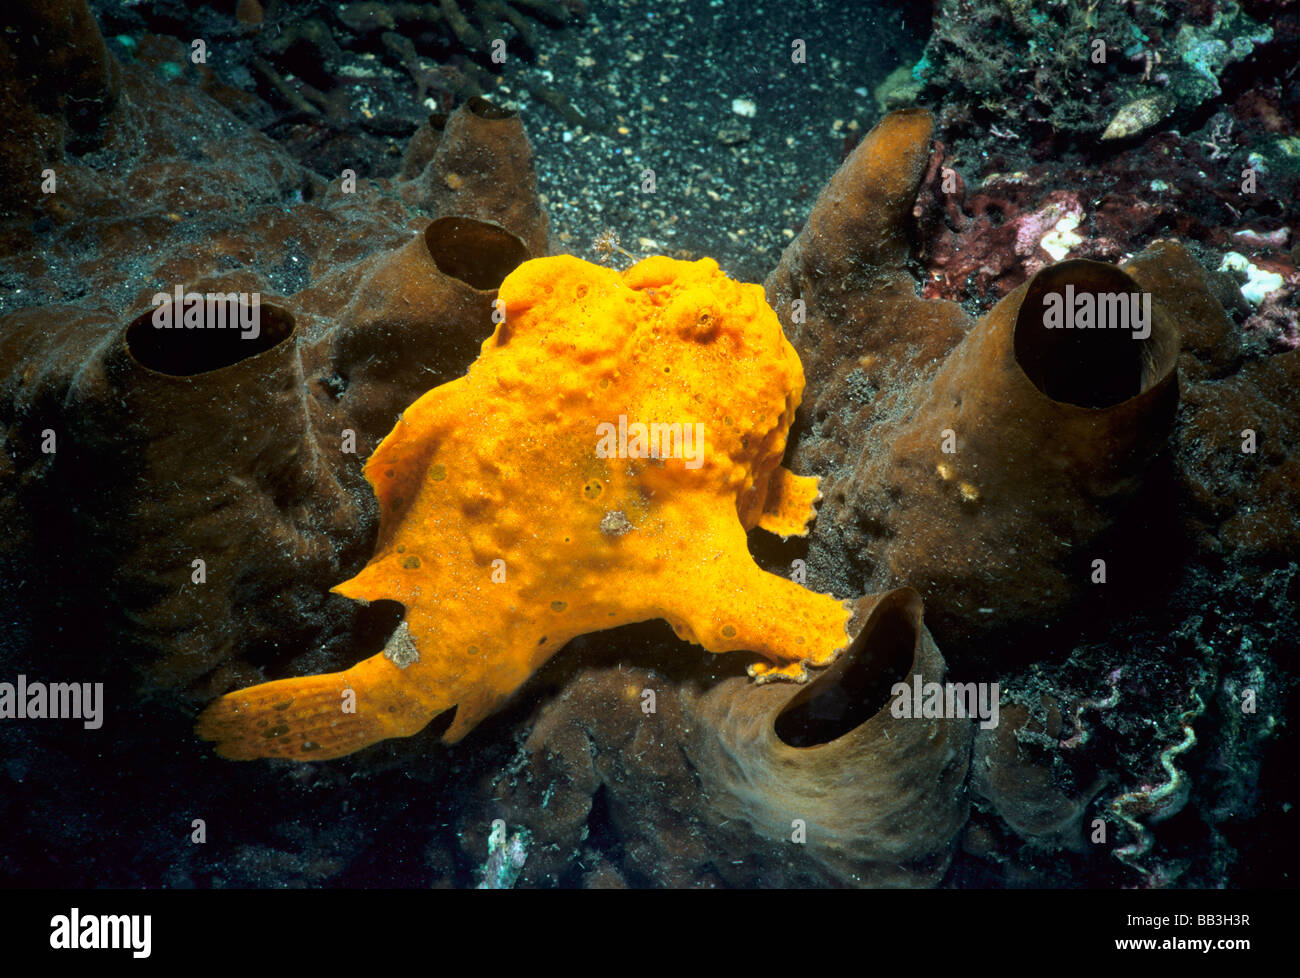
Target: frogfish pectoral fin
{"points": [[791, 503]]}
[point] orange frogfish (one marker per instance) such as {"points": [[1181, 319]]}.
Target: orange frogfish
{"points": [[598, 465]]}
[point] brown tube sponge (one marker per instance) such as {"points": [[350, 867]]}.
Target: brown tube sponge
{"points": [[419, 151], [128, 454], [482, 167], [196, 444], [218, 483], [990, 492], [881, 796], [415, 320], [1000, 535], [848, 302], [172, 446], [176, 445], [710, 779]]}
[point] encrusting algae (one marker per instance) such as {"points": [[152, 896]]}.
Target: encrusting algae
{"points": [[598, 465]]}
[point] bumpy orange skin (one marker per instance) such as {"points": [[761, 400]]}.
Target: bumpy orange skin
{"points": [[505, 533]]}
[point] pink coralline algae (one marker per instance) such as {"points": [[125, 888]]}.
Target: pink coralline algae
{"points": [[1278, 317]]}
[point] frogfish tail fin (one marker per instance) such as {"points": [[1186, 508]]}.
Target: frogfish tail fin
{"points": [[314, 718]]}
